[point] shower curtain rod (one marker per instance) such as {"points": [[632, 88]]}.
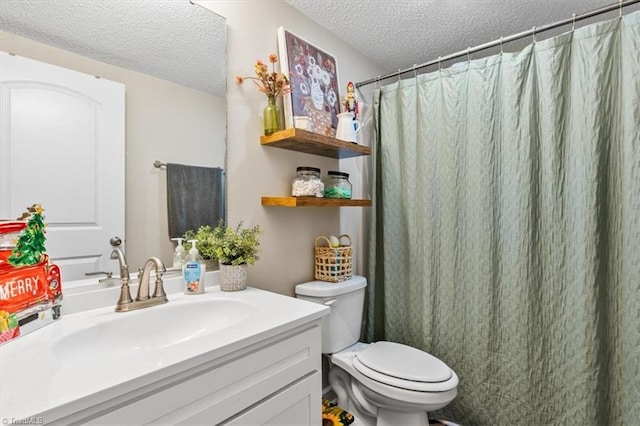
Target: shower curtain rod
{"points": [[532, 32]]}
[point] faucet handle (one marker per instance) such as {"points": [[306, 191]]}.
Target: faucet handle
{"points": [[160, 270], [159, 290], [125, 296]]}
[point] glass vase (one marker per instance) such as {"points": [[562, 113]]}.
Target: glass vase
{"points": [[272, 120]]}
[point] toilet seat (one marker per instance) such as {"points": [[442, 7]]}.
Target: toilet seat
{"points": [[404, 367]]}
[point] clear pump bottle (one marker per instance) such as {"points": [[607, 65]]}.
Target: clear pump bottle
{"points": [[193, 271], [179, 255]]}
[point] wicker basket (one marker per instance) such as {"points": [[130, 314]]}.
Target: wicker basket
{"points": [[333, 264]]}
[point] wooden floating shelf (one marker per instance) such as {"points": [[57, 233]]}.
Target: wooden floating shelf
{"points": [[313, 143], [313, 202]]}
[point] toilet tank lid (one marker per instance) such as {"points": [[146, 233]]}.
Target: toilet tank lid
{"points": [[327, 289]]}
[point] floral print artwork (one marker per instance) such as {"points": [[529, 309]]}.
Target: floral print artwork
{"points": [[314, 84]]}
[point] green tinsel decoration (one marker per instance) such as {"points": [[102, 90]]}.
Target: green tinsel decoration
{"points": [[30, 247]]}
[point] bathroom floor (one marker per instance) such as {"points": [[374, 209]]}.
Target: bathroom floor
{"points": [[438, 422]]}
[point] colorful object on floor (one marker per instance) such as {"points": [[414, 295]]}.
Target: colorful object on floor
{"points": [[332, 415], [440, 422], [30, 286]]}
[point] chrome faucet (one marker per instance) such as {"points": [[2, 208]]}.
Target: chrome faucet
{"points": [[143, 279], [143, 300]]}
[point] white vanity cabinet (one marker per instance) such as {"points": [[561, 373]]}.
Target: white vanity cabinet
{"points": [[258, 362], [272, 382]]}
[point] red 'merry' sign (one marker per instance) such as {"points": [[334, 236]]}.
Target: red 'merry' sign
{"points": [[30, 286]]}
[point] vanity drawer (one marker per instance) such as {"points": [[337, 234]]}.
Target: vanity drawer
{"points": [[295, 405], [228, 388]]}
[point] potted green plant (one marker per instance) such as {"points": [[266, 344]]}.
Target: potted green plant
{"points": [[235, 249], [203, 237]]}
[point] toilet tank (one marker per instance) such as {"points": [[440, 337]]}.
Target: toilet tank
{"points": [[341, 328]]}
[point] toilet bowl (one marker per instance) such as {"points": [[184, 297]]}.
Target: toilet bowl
{"points": [[382, 383], [387, 383]]}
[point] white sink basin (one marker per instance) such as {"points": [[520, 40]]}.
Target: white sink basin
{"points": [[94, 356], [154, 328]]}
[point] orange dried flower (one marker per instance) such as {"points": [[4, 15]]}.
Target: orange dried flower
{"points": [[270, 83]]}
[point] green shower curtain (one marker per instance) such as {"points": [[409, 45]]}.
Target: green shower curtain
{"points": [[505, 232]]}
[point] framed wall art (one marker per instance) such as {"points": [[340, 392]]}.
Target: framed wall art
{"points": [[314, 83]]}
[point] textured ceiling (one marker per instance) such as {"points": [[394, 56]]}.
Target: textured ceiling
{"points": [[396, 34], [170, 39]]}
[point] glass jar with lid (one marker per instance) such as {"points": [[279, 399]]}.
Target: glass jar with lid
{"points": [[337, 185], [307, 182]]}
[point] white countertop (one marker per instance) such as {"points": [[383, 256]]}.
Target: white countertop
{"points": [[42, 376]]}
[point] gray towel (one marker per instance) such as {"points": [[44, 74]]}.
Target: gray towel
{"points": [[195, 197]]}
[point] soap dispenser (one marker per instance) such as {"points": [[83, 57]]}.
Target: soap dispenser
{"points": [[179, 255], [193, 271]]}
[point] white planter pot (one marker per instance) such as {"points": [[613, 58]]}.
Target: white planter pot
{"points": [[233, 278]]}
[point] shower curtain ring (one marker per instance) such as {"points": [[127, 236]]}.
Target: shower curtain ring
{"points": [[501, 47], [469, 53], [534, 33], [415, 71], [439, 63], [620, 9], [399, 72], [573, 24]]}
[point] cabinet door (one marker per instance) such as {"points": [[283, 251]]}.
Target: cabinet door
{"points": [[297, 405]]}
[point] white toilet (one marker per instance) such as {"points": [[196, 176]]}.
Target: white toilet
{"points": [[382, 383]]}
